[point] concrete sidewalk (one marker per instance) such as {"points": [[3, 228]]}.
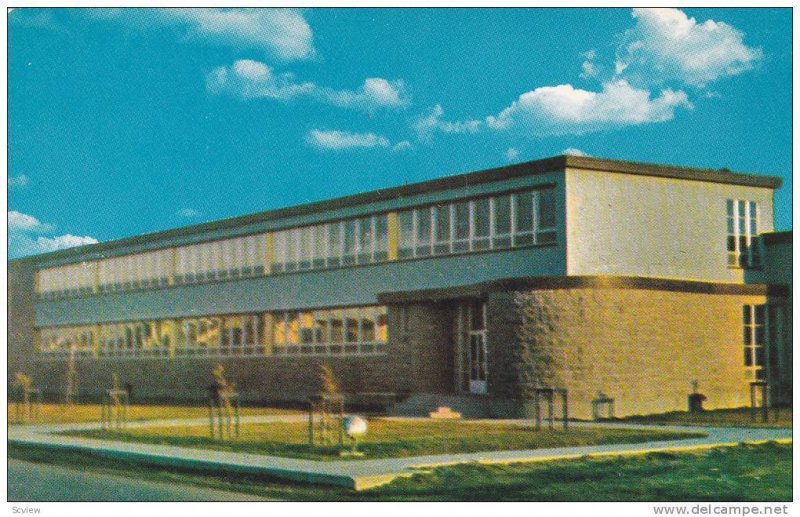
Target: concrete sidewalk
{"points": [[357, 474]]}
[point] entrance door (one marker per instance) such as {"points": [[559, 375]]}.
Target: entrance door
{"points": [[477, 353]]}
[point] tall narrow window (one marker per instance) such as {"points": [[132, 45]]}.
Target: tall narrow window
{"points": [[350, 242], [279, 252], [381, 238], [441, 231], [743, 226], [754, 334], [502, 221], [320, 245], [306, 332], [321, 334], [482, 224], [305, 254], [405, 247], [335, 244], [422, 220], [291, 250], [546, 219], [461, 223], [523, 218], [366, 240]]}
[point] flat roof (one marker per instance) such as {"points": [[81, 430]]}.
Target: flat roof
{"points": [[581, 282], [784, 237], [543, 166]]}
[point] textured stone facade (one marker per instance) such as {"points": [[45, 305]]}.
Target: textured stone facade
{"points": [[641, 347]]}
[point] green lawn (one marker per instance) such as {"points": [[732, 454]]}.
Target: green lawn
{"points": [[740, 473], [387, 438], [60, 413], [739, 417]]}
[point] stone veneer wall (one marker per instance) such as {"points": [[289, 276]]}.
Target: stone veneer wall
{"points": [[641, 347]]}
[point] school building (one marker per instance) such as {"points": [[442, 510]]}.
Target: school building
{"points": [[630, 280]]}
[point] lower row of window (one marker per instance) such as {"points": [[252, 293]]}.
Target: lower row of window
{"points": [[348, 331]]}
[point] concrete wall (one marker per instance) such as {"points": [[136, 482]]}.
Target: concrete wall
{"points": [[641, 347], [627, 224]]}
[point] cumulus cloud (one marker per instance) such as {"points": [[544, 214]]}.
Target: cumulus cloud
{"points": [[665, 44], [20, 181], [281, 33], [249, 79], [374, 93], [335, 140], [431, 123], [19, 222], [25, 236], [564, 109], [512, 153], [572, 151]]}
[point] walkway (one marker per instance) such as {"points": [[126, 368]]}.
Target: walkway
{"points": [[357, 474]]}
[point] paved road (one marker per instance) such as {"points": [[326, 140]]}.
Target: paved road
{"points": [[33, 482]]}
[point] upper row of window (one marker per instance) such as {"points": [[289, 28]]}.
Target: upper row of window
{"points": [[481, 224], [341, 243], [471, 225]]}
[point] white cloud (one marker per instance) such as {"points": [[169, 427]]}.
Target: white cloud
{"points": [[572, 151], [589, 69], [431, 123], [339, 140], [665, 44], [25, 236], [61, 242], [248, 79], [251, 70], [188, 212], [19, 222], [374, 93], [564, 109], [512, 153], [281, 33], [20, 181], [404, 145]]}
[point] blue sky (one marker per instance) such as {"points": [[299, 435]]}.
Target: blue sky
{"points": [[123, 122]]}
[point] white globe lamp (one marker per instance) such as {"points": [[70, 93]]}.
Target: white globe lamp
{"points": [[354, 427]]}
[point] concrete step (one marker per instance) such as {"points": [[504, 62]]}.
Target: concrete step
{"points": [[424, 404]]}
